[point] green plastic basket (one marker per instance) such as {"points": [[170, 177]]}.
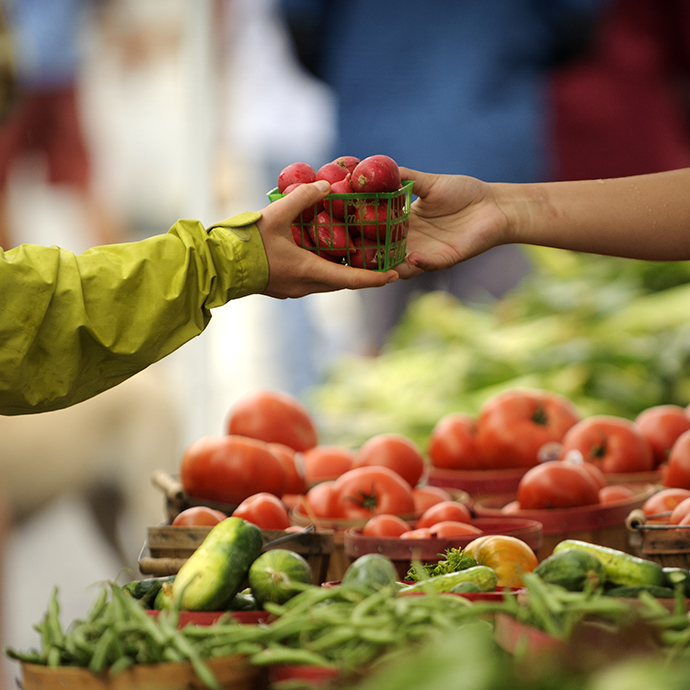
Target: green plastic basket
{"points": [[377, 243]]}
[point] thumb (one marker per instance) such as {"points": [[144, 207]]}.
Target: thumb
{"points": [[302, 197]]}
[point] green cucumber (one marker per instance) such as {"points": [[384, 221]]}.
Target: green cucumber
{"points": [[371, 571], [621, 568], [633, 592], [481, 575], [572, 569], [216, 571]]}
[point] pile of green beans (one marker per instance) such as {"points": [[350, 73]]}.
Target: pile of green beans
{"points": [[340, 627]]}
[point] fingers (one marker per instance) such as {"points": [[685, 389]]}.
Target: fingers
{"points": [[422, 181], [290, 206], [333, 276]]}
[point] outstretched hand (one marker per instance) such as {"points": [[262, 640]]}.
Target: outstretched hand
{"points": [[454, 219], [294, 271]]}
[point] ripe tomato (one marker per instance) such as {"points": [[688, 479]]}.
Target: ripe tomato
{"points": [[395, 451], [273, 417], [367, 491], [198, 515], [326, 462], [676, 473], [423, 533], [661, 426], [385, 526], [427, 496], [664, 501], [293, 465], [512, 426], [613, 444], [557, 484], [679, 512], [263, 510], [446, 510], [453, 443], [576, 457], [230, 468], [321, 501], [615, 492], [451, 528]]}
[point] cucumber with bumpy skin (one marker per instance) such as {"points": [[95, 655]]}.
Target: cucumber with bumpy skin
{"points": [[481, 575], [621, 568], [215, 572]]}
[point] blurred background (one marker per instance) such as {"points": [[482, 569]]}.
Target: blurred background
{"points": [[190, 108]]}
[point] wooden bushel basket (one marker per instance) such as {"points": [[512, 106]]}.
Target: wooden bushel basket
{"points": [[653, 538], [232, 672]]}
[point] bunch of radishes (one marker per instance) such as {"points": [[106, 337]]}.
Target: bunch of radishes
{"points": [[352, 228]]}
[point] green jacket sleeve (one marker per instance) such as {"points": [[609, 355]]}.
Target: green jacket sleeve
{"points": [[72, 326]]}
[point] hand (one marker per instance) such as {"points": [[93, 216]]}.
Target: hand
{"points": [[294, 271], [455, 218]]}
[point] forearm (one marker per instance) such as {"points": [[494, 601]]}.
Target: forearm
{"points": [[641, 217]]}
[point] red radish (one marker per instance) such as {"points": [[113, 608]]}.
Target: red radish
{"points": [[377, 173], [366, 253], [302, 236], [331, 172], [330, 236], [338, 209], [295, 172], [373, 218], [347, 162], [308, 212]]}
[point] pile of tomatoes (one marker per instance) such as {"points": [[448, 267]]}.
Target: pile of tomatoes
{"points": [[269, 460], [521, 428]]}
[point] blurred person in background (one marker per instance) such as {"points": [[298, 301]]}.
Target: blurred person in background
{"points": [[623, 107], [454, 87], [44, 124]]}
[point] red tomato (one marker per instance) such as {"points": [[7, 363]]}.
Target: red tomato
{"points": [[451, 528], [679, 512], [273, 417], [385, 526], [664, 501], [423, 533], [598, 476], [615, 492], [230, 468], [368, 491], [453, 443], [512, 426], [557, 484], [676, 473], [326, 462], [613, 444], [198, 515], [446, 510], [293, 465], [427, 496], [321, 502], [661, 426], [395, 451], [263, 510]]}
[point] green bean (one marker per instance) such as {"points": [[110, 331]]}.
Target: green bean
{"points": [[286, 655]]}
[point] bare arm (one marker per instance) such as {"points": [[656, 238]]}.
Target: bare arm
{"points": [[457, 217]]}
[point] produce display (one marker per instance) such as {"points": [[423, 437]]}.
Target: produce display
{"points": [[363, 222], [367, 626]]}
